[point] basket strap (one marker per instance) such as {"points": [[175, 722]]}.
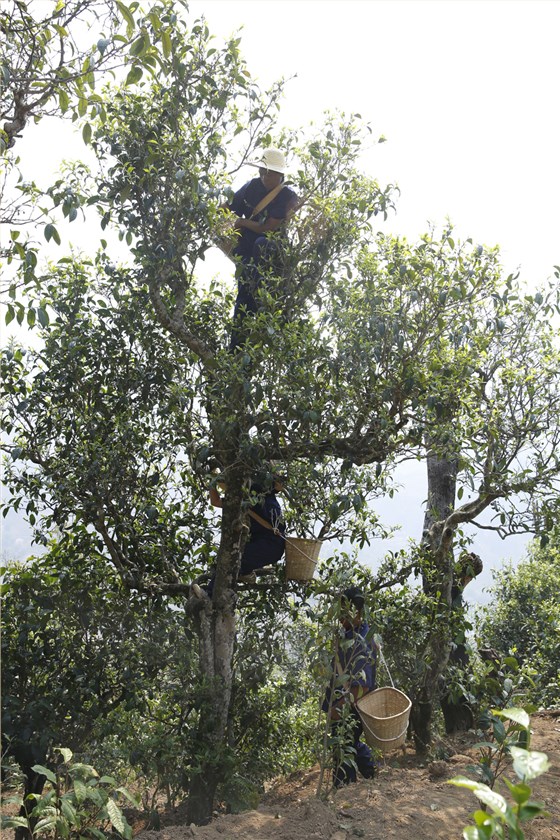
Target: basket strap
{"points": [[380, 649], [258, 518], [254, 515]]}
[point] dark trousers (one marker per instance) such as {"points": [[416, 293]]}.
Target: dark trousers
{"points": [[259, 552], [250, 273], [457, 714], [344, 772]]}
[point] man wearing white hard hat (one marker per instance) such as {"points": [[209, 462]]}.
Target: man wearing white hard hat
{"points": [[261, 206]]}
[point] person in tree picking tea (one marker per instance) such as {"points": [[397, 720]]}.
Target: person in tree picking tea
{"points": [[261, 207], [266, 542]]}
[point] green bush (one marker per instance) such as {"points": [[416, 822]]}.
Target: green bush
{"points": [[499, 818], [76, 803], [523, 619]]}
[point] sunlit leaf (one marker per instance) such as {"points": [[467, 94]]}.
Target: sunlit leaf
{"points": [[528, 764], [38, 768]]}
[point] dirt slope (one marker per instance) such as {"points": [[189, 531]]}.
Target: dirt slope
{"points": [[406, 801]]}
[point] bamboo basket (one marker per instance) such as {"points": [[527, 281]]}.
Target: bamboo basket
{"points": [[301, 558], [385, 713]]}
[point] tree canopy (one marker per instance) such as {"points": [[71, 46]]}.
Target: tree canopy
{"points": [[366, 349]]}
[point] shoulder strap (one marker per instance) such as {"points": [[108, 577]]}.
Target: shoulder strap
{"points": [[254, 515], [264, 202]]}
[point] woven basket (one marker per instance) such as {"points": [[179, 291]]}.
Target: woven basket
{"points": [[301, 558], [384, 713]]}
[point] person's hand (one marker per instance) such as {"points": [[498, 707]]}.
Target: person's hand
{"points": [[238, 224]]}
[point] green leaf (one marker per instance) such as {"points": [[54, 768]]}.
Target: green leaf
{"points": [[95, 796], [10, 314], [85, 770], [471, 832], [116, 817], [80, 790], [528, 764], [86, 133], [13, 822], [44, 771], [532, 810], [166, 43], [47, 823], [102, 44], [519, 716], [136, 801], [499, 730], [51, 232], [140, 46], [43, 317], [134, 75], [63, 99], [463, 781], [67, 809], [127, 17], [95, 832], [520, 792], [65, 753], [494, 800]]}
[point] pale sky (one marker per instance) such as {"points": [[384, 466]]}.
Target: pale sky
{"points": [[466, 93]]}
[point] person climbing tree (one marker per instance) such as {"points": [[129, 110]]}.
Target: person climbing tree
{"points": [[265, 544], [457, 713], [354, 666], [261, 206]]}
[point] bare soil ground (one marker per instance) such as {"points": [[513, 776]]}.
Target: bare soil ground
{"points": [[408, 800]]}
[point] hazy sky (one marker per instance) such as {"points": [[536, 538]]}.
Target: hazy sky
{"points": [[467, 95]]}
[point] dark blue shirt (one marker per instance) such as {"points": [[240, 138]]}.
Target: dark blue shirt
{"points": [[357, 658], [243, 204], [269, 509]]}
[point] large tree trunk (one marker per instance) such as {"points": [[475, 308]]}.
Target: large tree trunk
{"points": [[442, 486], [215, 623], [216, 628], [33, 784], [437, 583]]}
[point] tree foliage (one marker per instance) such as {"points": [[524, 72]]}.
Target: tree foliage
{"points": [[522, 619], [71, 654], [49, 66], [365, 350]]}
